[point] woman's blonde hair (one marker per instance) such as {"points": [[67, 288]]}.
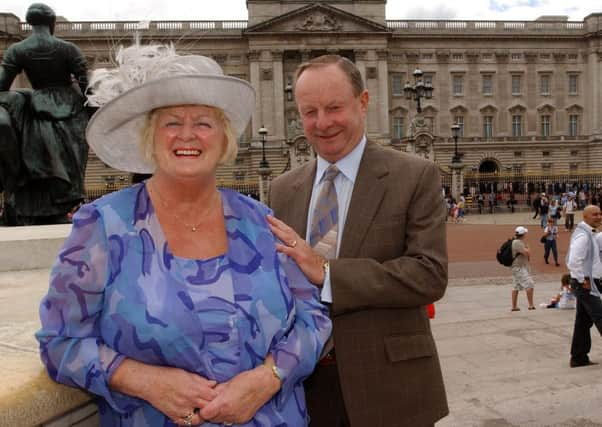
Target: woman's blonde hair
{"points": [[147, 136]]}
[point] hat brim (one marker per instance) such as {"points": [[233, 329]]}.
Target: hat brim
{"points": [[114, 131]]}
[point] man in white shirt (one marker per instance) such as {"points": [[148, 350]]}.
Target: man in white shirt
{"points": [[583, 262]]}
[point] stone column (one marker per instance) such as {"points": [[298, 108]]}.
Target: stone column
{"points": [[360, 62], [383, 92], [255, 82], [279, 131], [593, 90]]}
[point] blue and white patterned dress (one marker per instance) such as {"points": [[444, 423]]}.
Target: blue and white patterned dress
{"points": [[117, 291]]}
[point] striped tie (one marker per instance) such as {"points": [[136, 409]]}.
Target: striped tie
{"points": [[325, 217]]}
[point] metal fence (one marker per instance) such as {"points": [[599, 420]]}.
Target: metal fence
{"points": [[523, 185], [556, 183]]}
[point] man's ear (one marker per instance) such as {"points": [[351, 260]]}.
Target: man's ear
{"points": [[364, 99]]}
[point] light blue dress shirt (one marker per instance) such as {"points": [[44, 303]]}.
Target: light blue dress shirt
{"points": [[343, 183]]}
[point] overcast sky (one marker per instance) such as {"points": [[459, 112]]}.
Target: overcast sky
{"points": [[107, 10]]}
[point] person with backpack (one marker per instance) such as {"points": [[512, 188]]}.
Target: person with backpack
{"points": [[521, 271]]}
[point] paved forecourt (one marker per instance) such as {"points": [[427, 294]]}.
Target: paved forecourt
{"points": [[504, 368]]}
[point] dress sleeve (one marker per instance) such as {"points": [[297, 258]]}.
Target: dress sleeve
{"points": [[297, 352], [71, 345]]}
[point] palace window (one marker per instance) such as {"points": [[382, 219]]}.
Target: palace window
{"points": [[458, 85], [487, 84], [573, 125], [398, 131], [397, 83], [544, 84], [546, 126], [516, 84], [488, 127], [517, 125], [573, 84]]}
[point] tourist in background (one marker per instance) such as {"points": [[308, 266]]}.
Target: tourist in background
{"points": [[551, 233], [569, 209], [521, 271]]}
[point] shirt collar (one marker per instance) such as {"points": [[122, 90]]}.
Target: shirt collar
{"points": [[348, 165], [589, 227]]}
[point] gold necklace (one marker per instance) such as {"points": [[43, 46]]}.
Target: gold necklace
{"points": [[193, 227]]}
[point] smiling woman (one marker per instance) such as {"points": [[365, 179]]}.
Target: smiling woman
{"points": [[169, 299], [210, 118]]}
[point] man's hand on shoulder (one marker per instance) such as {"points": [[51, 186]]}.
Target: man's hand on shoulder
{"points": [[310, 263]]}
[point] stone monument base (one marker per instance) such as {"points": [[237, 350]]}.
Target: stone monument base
{"points": [[28, 396]]}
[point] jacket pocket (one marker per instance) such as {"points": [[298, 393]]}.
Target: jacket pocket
{"points": [[406, 347]]}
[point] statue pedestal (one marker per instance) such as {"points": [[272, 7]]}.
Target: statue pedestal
{"points": [[31, 247], [457, 179], [27, 395]]}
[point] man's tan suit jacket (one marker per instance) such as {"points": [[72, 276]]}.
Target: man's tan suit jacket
{"points": [[392, 262]]}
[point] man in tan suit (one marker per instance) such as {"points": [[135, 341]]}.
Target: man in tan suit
{"points": [[388, 259]]}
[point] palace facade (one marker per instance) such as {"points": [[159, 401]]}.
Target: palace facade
{"points": [[527, 95]]}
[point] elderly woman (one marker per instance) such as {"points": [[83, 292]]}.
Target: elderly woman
{"points": [[169, 300]]}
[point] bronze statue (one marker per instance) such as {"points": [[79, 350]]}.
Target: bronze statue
{"points": [[43, 151]]}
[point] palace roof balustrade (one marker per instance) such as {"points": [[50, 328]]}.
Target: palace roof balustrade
{"points": [[402, 27]]}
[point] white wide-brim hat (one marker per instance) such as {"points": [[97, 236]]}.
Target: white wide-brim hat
{"points": [[520, 230], [114, 131]]}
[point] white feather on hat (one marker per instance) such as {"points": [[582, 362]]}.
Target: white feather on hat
{"points": [[151, 77]]}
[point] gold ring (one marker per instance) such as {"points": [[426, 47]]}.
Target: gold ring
{"points": [[188, 419], [293, 244]]}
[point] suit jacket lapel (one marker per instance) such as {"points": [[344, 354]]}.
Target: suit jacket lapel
{"points": [[299, 198], [368, 192]]}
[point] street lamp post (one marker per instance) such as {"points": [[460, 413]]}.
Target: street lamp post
{"points": [[455, 129], [456, 165], [288, 89], [263, 133], [418, 90], [264, 170]]}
